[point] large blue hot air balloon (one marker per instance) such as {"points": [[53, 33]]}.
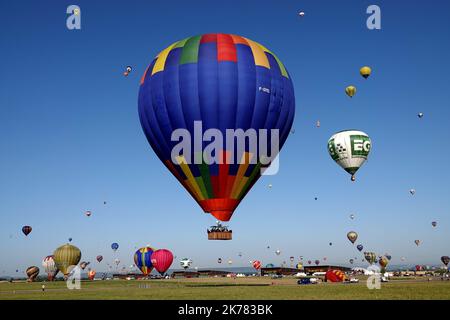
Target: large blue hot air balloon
{"points": [[215, 81]]}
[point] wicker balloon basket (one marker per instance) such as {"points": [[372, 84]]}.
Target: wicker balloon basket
{"points": [[220, 235]]}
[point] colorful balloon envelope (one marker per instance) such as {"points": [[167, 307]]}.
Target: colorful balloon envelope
{"points": [[256, 264], [26, 230], [350, 91], [299, 265], [162, 260], [370, 257], [91, 274], [32, 272], [215, 81], [350, 149], [185, 263], [383, 261], [335, 276], [66, 258], [352, 236], [50, 267], [143, 260]]}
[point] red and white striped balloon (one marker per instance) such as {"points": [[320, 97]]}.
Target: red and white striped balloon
{"points": [[162, 260], [256, 264]]}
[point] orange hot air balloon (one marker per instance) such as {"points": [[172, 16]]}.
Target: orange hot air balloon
{"points": [[91, 274], [335, 276]]}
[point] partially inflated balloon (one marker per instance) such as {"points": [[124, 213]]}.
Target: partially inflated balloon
{"points": [[349, 149], [50, 267], [215, 81], [335, 276], [91, 274], [142, 259], [352, 236], [66, 258], [26, 230], [162, 260], [32, 273]]}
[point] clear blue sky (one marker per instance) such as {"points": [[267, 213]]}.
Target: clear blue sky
{"points": [[71, 137]]}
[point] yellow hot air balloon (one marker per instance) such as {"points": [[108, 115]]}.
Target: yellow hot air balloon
{"points": [[365, 71], [66, 258], [350, 91]]}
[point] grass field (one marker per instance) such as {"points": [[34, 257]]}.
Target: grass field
{"points": [[226, 288]]}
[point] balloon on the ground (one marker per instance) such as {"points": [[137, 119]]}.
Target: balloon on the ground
{"points": [[162, 260], [365, 71], [66, 258], [142, 260], [50, 268], [32, 272], [335, 276], [239, 84], [352, 236], [91, 274], [26, 230], [350, 149]]}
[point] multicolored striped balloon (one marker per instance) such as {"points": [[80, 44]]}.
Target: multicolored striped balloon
{"points": [[142, 260], [162, 260], [50, 267], [32, 272], [256, 264], [225, 82]]}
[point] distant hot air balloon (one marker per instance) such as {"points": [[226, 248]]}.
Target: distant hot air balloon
{"points": [[331, 243], [301, 13], [412, 191], [32, 272], [291, 259], [318, 124], [417, 242], [420, 115], [162, 260], [219, 260], [239, 85], [359, 247], [317, 262], [299, 265], [84, 264], [350, 91], [99, 258], [350, 149], [383, 261], [185, 263], [352, 236], [230, 262], [70, 239], [335, 276], [26, 230], [351, 261], [352, 216], [325, 259], [365, 71], [309, 261], [66, 258], [388, 256], [445, 260], [240, 254], [434, 223], [277, 252], [115, 246], [88, 213], [91, 274], [50, 267], [403, 258], [142, 259], [117, 262], [256, 264], [370, 257]]}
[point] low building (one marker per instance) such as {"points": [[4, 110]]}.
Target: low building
{"points": [[279, 271]]}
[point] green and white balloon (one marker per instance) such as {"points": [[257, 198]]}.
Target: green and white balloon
{"points": [[350, 149]]}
